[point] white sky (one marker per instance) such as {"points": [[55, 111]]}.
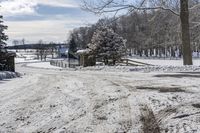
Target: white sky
{"points": [[25, 21]]}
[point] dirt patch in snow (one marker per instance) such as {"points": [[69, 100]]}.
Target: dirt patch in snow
{"points": [[161, 89], [197, 105]]}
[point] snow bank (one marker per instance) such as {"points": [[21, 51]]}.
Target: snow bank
{"points": [[166, 62], [24, 60], [8, 75], [166, 69], [160, 65], [165, 66], [141, 68]]}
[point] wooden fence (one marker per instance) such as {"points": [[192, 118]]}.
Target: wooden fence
{"points": [[129, 62], [65, 63]]}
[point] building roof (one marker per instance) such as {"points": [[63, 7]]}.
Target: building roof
{"points": [[83, 51]]}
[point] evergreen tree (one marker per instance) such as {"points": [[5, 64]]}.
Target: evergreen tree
{"points": [[72, 48], [3, 36], [107, 45]]}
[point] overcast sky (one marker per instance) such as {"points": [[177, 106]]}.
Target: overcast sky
{"points": [[49, 20]]}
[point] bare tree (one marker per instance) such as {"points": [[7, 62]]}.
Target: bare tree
{"points": [[41, 51], [52, 49], [173, 6], [23, 41], [15, 42]]}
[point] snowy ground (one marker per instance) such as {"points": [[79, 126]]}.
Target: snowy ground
{"points": [[26, 60], [32, 62], [170, 66], [166, 62], [45, 65], [53, 100]]}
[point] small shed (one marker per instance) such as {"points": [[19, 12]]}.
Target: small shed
{"points": [[85, 58], [7, 61]]}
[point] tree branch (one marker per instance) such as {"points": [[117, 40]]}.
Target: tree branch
{"points": [[110, 6]]}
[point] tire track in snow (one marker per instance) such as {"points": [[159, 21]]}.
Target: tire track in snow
{"points": [[124, 119], [21, 104]]}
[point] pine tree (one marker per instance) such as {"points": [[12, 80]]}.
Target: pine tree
{"points": [[3, 36], [107, 45], [72, 48]]}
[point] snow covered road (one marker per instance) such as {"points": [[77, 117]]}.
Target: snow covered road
{"points": [[72, 101]]}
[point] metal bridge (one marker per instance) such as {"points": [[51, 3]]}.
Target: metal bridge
{"points": [[38, 46]]}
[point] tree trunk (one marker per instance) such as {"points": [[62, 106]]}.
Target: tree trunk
{"points": [[114, 62], [172, 52], [105, 60], [151, 52], [184, 15], [146, 52], [140, 52], [52, 52], [156, 52]]}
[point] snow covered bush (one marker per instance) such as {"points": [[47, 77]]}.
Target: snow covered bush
{"points": [[8, 75], [108, 45]]}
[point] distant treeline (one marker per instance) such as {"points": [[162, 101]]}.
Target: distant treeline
{"points": [[148, 33]]}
